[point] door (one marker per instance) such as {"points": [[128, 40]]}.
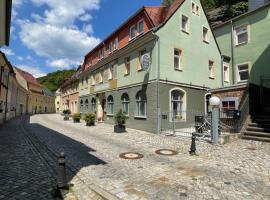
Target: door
{"points": [[265, 94]]}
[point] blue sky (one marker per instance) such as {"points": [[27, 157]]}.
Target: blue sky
{"points": [[50, 35]]}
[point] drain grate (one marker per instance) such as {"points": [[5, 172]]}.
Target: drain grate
{"points": [[131, 155], [166, 152]]}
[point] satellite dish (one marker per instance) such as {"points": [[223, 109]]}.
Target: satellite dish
{"points": [[146, 61]]}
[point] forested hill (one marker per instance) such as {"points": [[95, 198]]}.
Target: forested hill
{"points": [[55, 79]]}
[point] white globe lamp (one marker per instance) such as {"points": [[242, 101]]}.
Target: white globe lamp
{"points": [[214, 101]]}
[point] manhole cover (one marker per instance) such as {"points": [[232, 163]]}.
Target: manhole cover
{"points": [[131, 155], [166, 152]]}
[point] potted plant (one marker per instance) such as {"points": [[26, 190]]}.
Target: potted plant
{"points": [[120, 120], [76, 117], [90, 118], [66, 113]]}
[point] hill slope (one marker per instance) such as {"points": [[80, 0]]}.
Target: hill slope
{"points": [[55, 79]]}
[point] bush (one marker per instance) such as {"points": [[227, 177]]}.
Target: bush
{"points": [[90, 118], [66, 112], [238, 9], [120, 118], [76, 117]]}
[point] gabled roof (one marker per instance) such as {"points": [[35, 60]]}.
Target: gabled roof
{"points": [[28, 77]]}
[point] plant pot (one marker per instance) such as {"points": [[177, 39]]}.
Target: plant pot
{"points": [[66, 118], [119, 128], [90, 123]]}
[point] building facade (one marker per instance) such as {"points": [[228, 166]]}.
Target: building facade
{"points": [[246, 40], [58, 101], [185, 63]]}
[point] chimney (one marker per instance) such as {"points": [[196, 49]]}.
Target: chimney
{"points": [[254, 4]]}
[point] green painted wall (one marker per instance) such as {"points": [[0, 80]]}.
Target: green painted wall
{"points": [[196, 53], [257, 51]]}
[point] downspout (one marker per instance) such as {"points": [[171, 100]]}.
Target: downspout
{"points": [[158, 85], [232, 52], [222, 71]]}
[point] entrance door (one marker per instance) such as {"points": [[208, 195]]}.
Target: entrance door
{"points": [[265, 94], [101, 101], [21, 109]]}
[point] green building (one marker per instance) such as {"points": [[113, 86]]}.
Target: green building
{"points": [[246, 40], [185, 64]]}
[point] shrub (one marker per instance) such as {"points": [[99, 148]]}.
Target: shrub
{"points": [[90, 118], [66, 112], [76, 117], [120, 118]]}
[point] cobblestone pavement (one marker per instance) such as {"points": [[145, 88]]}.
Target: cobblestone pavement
{"points": [[239, 170], [24, 174]]}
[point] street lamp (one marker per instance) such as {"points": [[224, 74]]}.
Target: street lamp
{"points": [[214, 102]]}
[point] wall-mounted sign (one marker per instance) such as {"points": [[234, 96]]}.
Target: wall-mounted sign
{"points": [[146, 61]]}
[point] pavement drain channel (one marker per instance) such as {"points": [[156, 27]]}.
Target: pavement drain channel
{"points": [[131, 155]]}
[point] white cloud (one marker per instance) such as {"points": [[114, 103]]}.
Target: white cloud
{"points": [[20, 58], [35, 71], [7, 51], [56, 43], [85, 17], [63, 63], [88, 28], [64, 12]]}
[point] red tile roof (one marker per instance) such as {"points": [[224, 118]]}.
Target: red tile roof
{"points": [[28, 77]]}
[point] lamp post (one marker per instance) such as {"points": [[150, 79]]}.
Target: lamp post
{"points": [[214, 102]]}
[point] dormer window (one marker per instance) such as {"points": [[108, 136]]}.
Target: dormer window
{"points": [[89, 61], [110, 47], [99, 55], [115, 44], [140, 27], [103, 52], [132, 32]]}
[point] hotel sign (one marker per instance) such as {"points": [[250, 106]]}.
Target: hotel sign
{"points": [[146, 61], [103, 86]]}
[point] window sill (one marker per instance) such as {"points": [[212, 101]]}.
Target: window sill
{"points": [[109, 115], [241, 44], [211, 77], [126, 74], [140, 117], [205, 41], [180, 70], [184, 31], [226, 81]]}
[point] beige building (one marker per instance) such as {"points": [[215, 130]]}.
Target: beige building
{"points": [[58, 101]]}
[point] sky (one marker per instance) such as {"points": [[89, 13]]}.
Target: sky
{"points": [[51, 35]]}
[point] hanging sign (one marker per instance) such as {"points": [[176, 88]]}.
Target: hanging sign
{"points": [[146, 61]]}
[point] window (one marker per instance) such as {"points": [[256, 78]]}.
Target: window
{"points": [[140, 27], [226, 73], [193, 7], [132, 32], [177, 104], [89, 61], [86, 103], [197, 10], [100, 77], [111, 71], [177, 59], [241, 35], [141, 104], [243, 72], [185, 24], [205, 34], [125, 103], [110, 47], [142, 52], [115, 44], [127, 66], [228, 105], [103, 52], [99, 55], [93, 105], [81, 102], [211, 69], [110, 105], [92, 80]]}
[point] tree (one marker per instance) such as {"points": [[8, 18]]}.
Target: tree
{"points": [[167, 2]]}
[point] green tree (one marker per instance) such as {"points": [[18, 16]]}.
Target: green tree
{"points": [[167, 2]]}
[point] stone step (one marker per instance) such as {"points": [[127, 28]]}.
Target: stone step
{"points": [[257, 134], [264, 121], [262, 139], [260, 125], [260, 117], [258, 129]]}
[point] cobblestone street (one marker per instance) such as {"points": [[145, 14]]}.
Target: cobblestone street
{"points": [[239, 170]]}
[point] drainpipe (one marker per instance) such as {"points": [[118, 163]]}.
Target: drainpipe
{"points": [[232, 52], [222, 71], [158, 86]]}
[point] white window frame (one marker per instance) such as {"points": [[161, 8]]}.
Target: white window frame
{"points": [[193, 9], [139, 67], [110, 47], [184, 104], [187, 30], [180, 68], [132, 27], [125, 102], [138, 103], [92, 80], [89, 61], [127, 66], [226, 73], [115, 44], [110, 106], [197, 10], [236, 43], [138, 25], [103, 52], [207, 36], [211, 69], [238, 72], [111, 71]]}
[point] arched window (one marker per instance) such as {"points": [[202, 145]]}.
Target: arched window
{"points": [[177, 104], [141, 104], [81, 102], [86, 103], [125, 103], [93, 105], [110, 105]]}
